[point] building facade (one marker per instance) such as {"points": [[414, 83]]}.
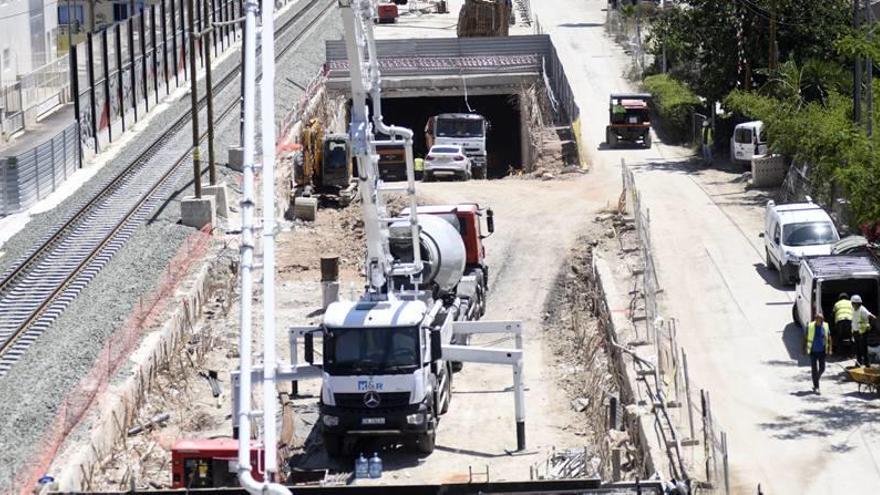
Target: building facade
{"points": [[28, 36]]}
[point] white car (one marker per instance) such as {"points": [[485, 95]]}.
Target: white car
{"points": [[446, 160], [795, 230]]}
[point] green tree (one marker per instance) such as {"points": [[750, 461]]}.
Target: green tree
{"points": [[703, 37]]}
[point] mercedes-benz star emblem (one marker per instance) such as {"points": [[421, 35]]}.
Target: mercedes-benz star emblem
{"points": [[371, 399]]}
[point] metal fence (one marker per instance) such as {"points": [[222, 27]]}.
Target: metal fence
{"points": [[696, 445], [31, 176], [123, 71]]}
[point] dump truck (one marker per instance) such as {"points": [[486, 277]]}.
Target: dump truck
{"points": [[629, 119], [468, 130]]}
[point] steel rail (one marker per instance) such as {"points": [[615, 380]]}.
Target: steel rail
{"points": [[69, 276]]}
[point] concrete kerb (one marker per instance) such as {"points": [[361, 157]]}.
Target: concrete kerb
{"points": [[655, 461], [121, 401]]}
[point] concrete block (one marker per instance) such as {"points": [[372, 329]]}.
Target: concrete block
{"points": [[768, 170], [219, 193], [197, 212], [235, 158]]}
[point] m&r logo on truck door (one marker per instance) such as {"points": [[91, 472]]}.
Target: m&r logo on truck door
{"points": [[367, 385]]}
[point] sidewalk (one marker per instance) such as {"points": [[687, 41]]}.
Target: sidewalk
{"points": [[45, 129]]}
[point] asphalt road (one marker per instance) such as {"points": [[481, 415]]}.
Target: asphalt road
{"points": [[733, 320]]}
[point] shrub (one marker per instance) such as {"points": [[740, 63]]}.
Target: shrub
{"points": [[674, 104]]}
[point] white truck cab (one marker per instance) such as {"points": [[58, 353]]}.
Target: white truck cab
{"points": [[748, 140], [795, 230], [383, 372]]}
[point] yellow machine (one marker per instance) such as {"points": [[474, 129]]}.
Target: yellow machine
{"points": [[323, 175]]}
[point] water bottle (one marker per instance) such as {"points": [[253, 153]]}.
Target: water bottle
{"points": [[375, 466], [361, 467]]}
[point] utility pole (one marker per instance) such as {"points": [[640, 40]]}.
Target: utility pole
{"points": [[857, 70], [869, 69], [772, 63], [194, 98], [207, 33], [663, 60]]}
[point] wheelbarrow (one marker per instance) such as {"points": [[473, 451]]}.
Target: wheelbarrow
{"points": [[869, 377]]}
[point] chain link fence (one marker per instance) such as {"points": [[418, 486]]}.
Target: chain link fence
{"points": [[696, 444]]}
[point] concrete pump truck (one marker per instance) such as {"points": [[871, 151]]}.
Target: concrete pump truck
{"points": [[388, 356], [385, 370]]}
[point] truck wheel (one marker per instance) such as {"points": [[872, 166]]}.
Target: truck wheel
{"points": [[768, 262], [794, 315], [612, 139], [479, 172], [425, 443], [333, 445]]}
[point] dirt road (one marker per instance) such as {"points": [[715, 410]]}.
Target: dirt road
{"points": [[734, 321]]}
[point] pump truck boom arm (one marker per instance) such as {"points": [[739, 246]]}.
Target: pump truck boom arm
{"points": [[357, 16]]}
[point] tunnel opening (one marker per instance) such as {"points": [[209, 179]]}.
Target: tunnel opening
{"points": [[502, 111]]}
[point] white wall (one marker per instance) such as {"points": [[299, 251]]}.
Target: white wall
{"points": [[15, 36], [15, 39]]}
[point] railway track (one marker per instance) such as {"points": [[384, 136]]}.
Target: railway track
{"points": [[37, 289]]}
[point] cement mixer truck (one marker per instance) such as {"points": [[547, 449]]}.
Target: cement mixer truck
{"points": [[382, 374]]}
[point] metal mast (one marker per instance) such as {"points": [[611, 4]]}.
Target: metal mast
{"points": [[360, 43]]}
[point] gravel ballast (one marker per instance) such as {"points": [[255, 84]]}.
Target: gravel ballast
{"points": [[34, 387]]}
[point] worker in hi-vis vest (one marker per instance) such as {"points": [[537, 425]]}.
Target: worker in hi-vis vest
{"points": [[861, 323], [818, 346], [843, 312]]}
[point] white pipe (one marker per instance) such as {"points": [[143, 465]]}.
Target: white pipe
{"points": [[247, 259], [375, 88], [267, 115]]}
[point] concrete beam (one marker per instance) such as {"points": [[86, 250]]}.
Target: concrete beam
{"points": [[445, 85]]}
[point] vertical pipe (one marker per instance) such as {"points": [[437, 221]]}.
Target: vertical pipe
{"points": [[155, 64], [74, 85], [244, 48], [163, 13], [687, 393], [106, 67], [208, 33], [857, 70], [194, 101], [247, 245], [173, 19], [519, 405], [869, 76], [120, 71], [199, 20], [133, 78], [267, 115], [91, 70], [146, 80]]}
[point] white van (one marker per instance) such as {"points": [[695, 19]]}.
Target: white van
{"points": [[748, 141], [795, 230]]}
